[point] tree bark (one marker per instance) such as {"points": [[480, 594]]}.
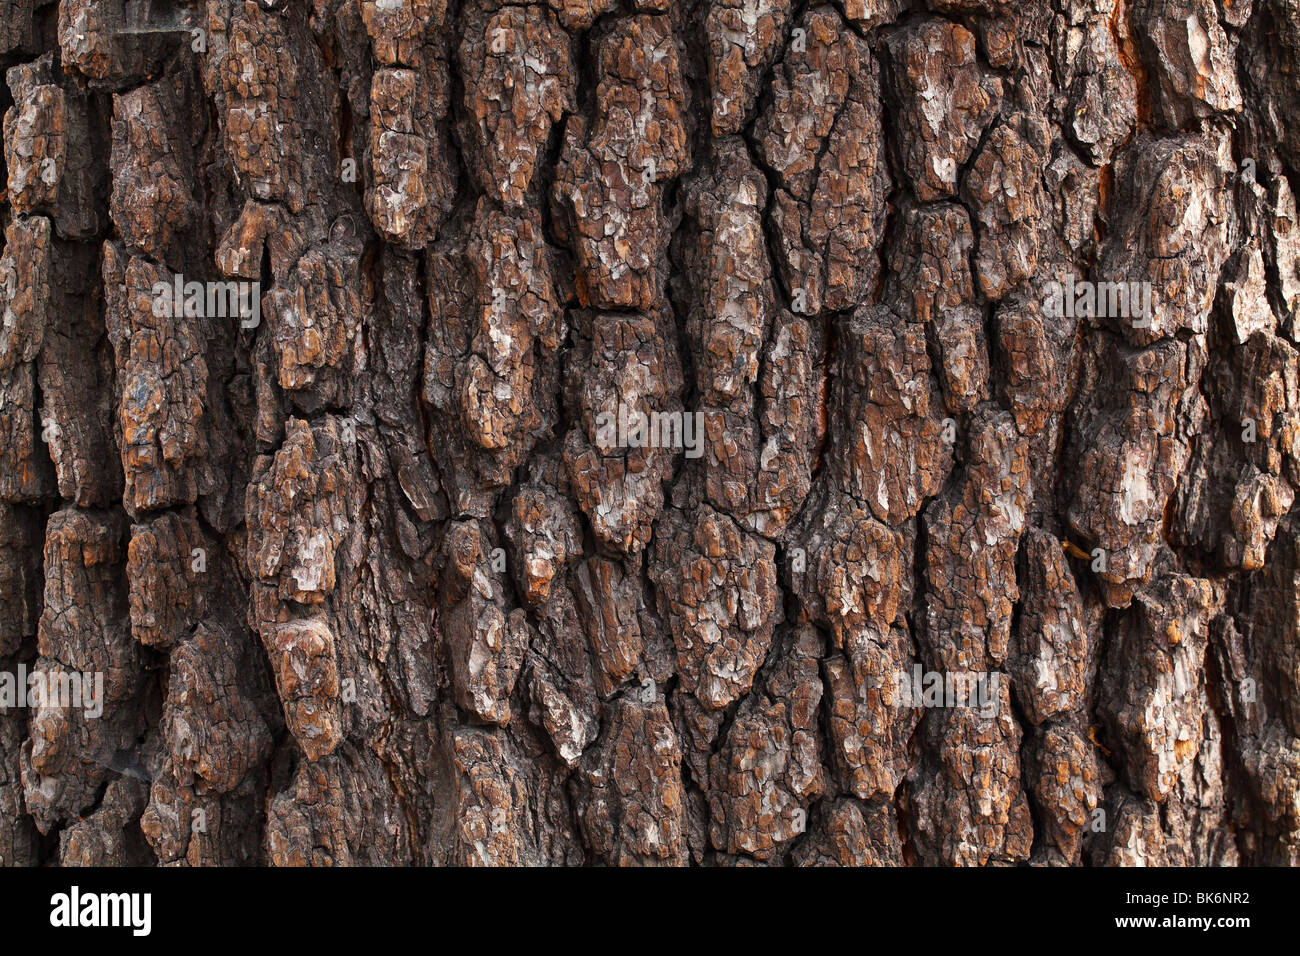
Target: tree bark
{"points": [[987, 312]]}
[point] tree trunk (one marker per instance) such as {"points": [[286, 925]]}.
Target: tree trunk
{"points": [[665, 432]]}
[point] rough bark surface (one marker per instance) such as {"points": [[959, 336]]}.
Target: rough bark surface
{"points": [[364, 575]]}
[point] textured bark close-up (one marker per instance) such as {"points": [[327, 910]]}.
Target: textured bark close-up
{"points": [[650, 432]]}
